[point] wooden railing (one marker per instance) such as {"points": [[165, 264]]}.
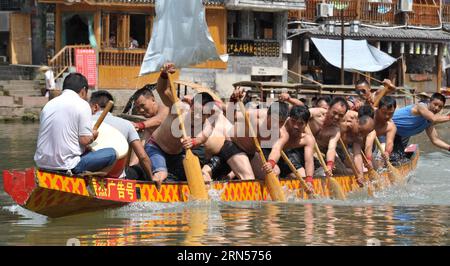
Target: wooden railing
{"points": [[350, 9], [121, 57], [378, 12], [64, 59], [424, 15]]}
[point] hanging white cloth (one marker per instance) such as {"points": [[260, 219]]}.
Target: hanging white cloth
{"points": [[180, 35], [358, 55]]}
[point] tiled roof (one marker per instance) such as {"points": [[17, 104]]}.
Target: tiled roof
{"points": [[436, 35]]}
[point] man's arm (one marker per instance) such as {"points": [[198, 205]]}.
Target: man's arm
{"points": [[434, 137], [331, 152], [390, 136], [163, 85], [309, 156], [285, 97], [369, 146], [155, 121], [275, 153], [428, 115], [144, 161], [357, 158]]}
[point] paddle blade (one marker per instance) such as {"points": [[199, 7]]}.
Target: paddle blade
{"points": [[336, 190], [274, 187], [194, 176]]}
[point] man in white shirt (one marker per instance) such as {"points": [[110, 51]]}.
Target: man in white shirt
{"points": [[66, 129], [98, 102], [49, 80]]}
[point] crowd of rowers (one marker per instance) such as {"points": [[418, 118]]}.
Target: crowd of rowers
{"points": [[218, 135]]}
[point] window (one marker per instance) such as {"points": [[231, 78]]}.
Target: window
{"points": [[233, 21], [126, 30], [264, 25]]}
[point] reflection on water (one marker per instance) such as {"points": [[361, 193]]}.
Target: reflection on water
{"points": [[415, 214]]}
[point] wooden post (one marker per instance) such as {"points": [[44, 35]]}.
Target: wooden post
{"points": [[439, 67]]}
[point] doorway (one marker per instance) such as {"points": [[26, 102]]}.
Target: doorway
{"points": [[77, 31]]}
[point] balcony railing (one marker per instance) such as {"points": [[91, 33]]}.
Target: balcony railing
{"points": [[121, 57], [424, 15], [310, 13], [378, 12], [374, 12]]}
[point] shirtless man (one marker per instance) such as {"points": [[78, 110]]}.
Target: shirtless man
{"points": [[224, 156], [299, 147], [165, 147], [362, 88], [384, 126], [325, 127], [146, 105], [354, 130], [266, 124]]}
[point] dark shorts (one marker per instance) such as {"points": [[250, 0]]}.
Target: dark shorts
{"points": [[296, 156], [400, 144], [218, 163]]}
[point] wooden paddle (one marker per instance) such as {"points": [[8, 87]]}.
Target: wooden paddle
{"points": [[373, 175], [354, 169], [335, 187], [191, 163], [394, 174], [271, 180], [299, 177], [102, 116]]}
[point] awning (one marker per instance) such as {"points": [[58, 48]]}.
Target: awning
{"points": [[358, 55]]}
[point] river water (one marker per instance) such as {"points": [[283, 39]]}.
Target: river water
{"points": [[414, 214]]}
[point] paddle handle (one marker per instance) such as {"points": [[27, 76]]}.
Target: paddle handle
{"points": [[252, 132], [293, 169], [317, 150], [175, 100], [347, 154], [366, 162], [377, 80], [378, 143], [103, 115]]}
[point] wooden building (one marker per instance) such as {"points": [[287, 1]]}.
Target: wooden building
{"points": [[119, 31], [410, 31]]}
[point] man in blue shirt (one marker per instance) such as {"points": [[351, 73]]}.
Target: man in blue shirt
{"points": [[414, 119]]}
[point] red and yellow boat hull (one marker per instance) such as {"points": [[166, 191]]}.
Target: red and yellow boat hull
{"points": [[57, 195]]}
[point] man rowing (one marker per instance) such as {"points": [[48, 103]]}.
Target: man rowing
{"points": [[414, 119], [362, 88], [298, 144], [146, 105], [98, 102], [325, 127], [384, 127], [354, 130], [222, 154]]}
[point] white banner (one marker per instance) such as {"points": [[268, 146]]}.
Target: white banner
{"points": [[180, 35]]}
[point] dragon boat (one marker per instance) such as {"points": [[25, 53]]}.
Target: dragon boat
{"points": [[56, 195]]}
